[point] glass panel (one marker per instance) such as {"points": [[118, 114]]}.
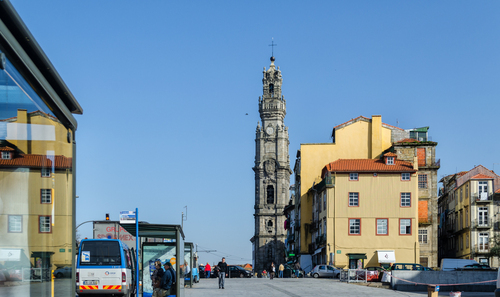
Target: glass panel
{"points": [[41, 224]]}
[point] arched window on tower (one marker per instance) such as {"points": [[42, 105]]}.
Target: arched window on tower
{"points": [[271, 89], [270, 194], [269, 223]]}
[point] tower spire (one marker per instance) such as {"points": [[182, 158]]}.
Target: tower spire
{"points": [[272, 45]]}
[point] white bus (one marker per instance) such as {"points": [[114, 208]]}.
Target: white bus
{"points": [[105, 266]]}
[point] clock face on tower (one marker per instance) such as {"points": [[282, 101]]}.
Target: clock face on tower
{"points": [[269, 130]]}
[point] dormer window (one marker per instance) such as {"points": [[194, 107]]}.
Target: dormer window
{"points": [[389, 161], [6, 155]]}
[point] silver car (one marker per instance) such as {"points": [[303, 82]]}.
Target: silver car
{"points": [[324, 270]]}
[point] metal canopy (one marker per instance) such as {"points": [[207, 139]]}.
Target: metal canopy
{"points": [[154, 230], [356, 256]]}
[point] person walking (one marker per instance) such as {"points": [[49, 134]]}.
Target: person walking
{"points": [[208, 269], [272, 271], [297, 269], [281, 268], [223, 272]]}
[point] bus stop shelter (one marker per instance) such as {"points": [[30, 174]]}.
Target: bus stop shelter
{"points": [[171, 249]]}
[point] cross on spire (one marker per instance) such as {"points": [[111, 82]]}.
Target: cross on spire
{"points": [[272, 45]]}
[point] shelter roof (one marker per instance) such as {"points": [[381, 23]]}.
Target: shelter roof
{"points": [[153, 230]]}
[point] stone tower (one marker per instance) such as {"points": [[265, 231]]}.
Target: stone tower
{"points": [[272, 173]]}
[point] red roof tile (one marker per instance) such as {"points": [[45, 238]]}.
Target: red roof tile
{"points": [[481, 176], [389, 154], [6, 149], [497, 191], [37, 161], [367, 165], [365, 119], [407, 140]]}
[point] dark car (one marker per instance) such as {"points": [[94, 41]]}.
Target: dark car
{"points": [[238, 271], [474, 267], [201, 271], [63, 272], [407, 266]]}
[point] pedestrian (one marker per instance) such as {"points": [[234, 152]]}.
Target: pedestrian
{"points": [[281, 270], [208, 269], [297, 269], [167, 280], [272, 270], [222, 272], [156, 279]]}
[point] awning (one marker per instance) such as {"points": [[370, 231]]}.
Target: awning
{"points": [[386, 256], [154, 230], [356, 256], [318, 251]]}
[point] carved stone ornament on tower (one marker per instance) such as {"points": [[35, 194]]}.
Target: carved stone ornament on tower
{"points": [[272, 173]]}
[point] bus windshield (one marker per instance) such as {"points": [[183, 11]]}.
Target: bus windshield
{"points": [[100, 253]]}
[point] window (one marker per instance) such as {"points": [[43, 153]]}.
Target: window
{"points": [[353, 176], [405, 199], [44, 224], [466, 240], [390, 160], [382, 225], [404, 226], [6, 155], [354, 226], [271, 89], [46, 196], [269, 223], [45, 172], [461, 242], [15, 224], [405, 176], [483, 242], [466, 191], [324, 200], [461, 192], [422, 181], [353, 199], [466, 217], [270, 194], [422, 236]]}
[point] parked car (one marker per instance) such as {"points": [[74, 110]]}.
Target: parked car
{"points": [[324, 270], [289, 271], [375, 268], [63, 272], [474, 267], [201, 271], [238, 271], [450, 264], [497, 290], [407, 266]]}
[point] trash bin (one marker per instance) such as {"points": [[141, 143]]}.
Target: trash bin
{"points": [[432, 291]]}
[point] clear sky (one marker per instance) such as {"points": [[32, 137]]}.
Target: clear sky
{"points": [[166, 87]]}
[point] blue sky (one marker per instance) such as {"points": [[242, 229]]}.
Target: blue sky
{"points": [[166, 86]]}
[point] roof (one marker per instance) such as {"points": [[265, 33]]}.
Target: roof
{"points": [[481, 176], [154, 230], [389, 154], [407, 140], [368, 165], [6, 149], [37, 161], [365, 119]]}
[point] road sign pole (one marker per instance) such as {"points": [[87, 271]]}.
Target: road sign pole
{"points": [[137, 238]]}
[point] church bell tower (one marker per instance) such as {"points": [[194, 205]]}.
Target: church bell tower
{"points": [[272, 173]]}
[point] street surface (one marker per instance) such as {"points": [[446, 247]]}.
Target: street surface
{"points": [[299, 288]]}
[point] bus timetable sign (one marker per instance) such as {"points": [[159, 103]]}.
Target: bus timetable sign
{"points": [[127, 217]]}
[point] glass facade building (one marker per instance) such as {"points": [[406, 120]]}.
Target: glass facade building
{"points": [[37, 167]]}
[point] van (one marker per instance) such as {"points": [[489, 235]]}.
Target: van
{"points": [[450, 264], [497, 290], [105, 266]]}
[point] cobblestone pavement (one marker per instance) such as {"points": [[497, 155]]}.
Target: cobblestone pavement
{"points": [[264, 287]]}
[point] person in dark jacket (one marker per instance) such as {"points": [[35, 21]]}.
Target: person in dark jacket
{"points": [[156, 279], [223, 272], [167, 280]]}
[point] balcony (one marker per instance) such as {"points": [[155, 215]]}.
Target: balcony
{"points": [[481, 248], [330, 181], [483, 198], [425, 221], [482, 224]]}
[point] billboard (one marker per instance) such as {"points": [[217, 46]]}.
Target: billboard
{"points": [[112, 230]]}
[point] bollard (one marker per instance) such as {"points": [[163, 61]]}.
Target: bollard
{"points": [[432, 291]]}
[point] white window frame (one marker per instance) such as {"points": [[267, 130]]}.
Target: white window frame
{"points": [[46, 196], [382, 225], [353, 176], [390, 160], [15, 224], [353, 199], [422, 181], [405, 199], [6, 155], [44, 224], [403, 223], [354, 225], [46, 172], [422, 236], [405, 176]]}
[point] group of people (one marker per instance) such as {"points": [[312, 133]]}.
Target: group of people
{"points": [[163, 279], [272, 270]]}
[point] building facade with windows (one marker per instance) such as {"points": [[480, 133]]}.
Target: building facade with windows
{"points": [[365, 213], [468, 210], [37, 161], [359, 138]]}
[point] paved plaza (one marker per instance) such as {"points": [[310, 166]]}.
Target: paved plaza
{"points": [[298, 288]]}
